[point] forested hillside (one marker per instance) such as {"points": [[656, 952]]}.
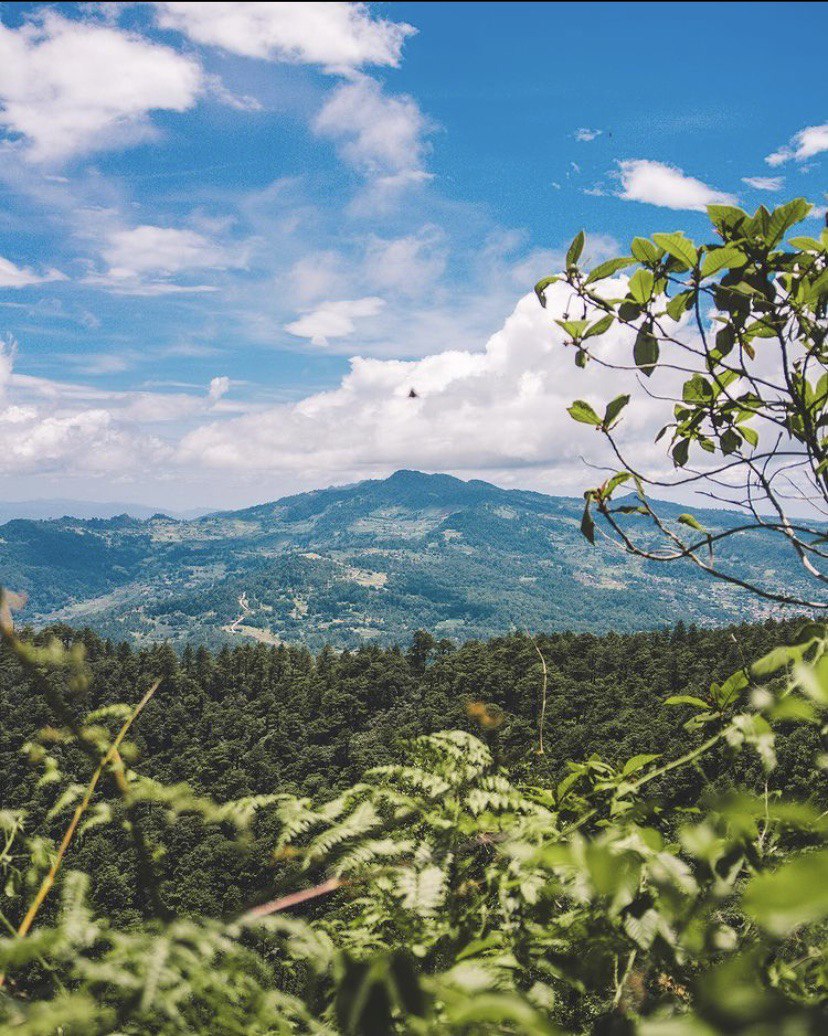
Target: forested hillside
{"points": [[372, 562], [258, 720]]}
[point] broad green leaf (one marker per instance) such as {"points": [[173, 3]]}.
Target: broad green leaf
{"points": [[645, 251], [641, 286], [679, 304], [681, 453], [583, 412], [719, 258], [646, 351], [678, 246], [608, 268], [638, 762], [614, 408], [784, 217], [727, 218], [794, 894], [600, 326]]}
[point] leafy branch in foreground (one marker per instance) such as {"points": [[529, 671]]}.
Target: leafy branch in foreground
{"points": [[733, 335]]}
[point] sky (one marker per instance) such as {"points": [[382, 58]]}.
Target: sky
{"points": [[234, 236]]}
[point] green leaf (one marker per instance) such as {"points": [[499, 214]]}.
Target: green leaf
{"points": [[681, 453], [730, 442], [719, 258], [583, 412], [645, 251], [573, 253], [777, 659], [638, 762], [750, 435], [600, 326], [697, 390], [541, 286], [794, 894], [687, 699], [693, 523], [608, 268], [784, 217], [641, 286], [614, 409], [679, 247], [646, 351], [806, 244], [679, 304], [587, 523], [726, 218]]}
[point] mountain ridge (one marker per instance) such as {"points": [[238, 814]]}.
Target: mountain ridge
{"points": [[367, 562]]}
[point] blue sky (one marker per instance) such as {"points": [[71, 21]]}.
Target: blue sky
{"points": [[235, 235]]}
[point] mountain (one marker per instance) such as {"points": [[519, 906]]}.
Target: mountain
{"points": [[61, 508], [371, 561]]}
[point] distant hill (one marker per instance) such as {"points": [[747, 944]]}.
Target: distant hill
{"points": [[369, 562], [61, 508]]}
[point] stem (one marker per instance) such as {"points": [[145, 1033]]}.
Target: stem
{"points": [[543, 698]]}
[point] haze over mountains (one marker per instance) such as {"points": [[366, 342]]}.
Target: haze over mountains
{"points": [[367, 562], [60, 507]]}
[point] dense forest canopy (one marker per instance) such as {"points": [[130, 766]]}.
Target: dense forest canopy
{"points": [[251, 720]]}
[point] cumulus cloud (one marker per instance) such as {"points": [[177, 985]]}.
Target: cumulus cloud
{"points": [[764, 183], [584, 135], [12, 276], [667, 186], [334, 319], [812, 140], [380, 135], [70, 87], [497, 411], [337, 36]]}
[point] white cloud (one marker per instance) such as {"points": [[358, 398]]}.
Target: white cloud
{"points": [[141, 259], [667, 186], [494, 412], [73, 429], [812, 140], [498, 413], [12, 276], [379, 135], [218, 387], [69, 87], [584, 135], [334, 319], [338, 36], [764, 183], [161, 250], [405, 265], [7, 349]]}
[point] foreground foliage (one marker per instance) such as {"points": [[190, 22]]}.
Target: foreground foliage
{"points": [[732, 334], [442, 893]]}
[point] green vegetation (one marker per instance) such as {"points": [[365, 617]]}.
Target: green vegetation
{"points": [[573, 834]]}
